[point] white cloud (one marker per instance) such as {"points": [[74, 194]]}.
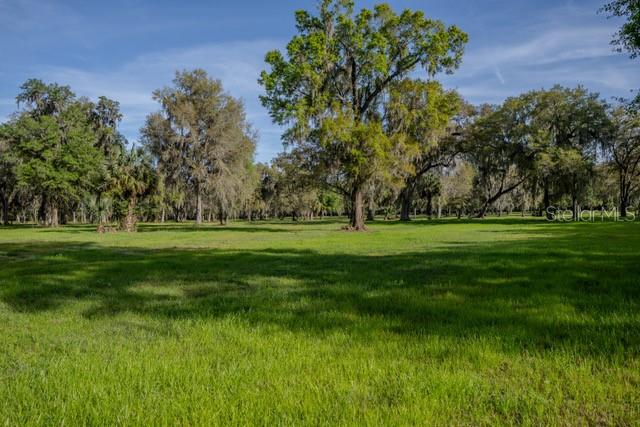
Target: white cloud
{"points": [[41, 16], [552, 46], [571, 51], [567, 45], [236, 64], [499, 76]]}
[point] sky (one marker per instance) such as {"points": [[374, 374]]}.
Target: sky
{"points": [[125, 49]]}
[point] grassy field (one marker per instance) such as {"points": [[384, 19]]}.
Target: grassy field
{"points": [[504, 321]]}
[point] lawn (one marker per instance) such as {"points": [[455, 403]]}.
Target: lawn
{"points": [[502, 321]]}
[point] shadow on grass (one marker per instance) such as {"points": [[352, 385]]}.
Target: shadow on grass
{"points": [[257, 226], [243, 228], [510, 220], [151, 228], [576, 292], [239, 227], [269, 226]]}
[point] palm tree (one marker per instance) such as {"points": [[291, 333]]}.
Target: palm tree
{"points": [[132, 179]]}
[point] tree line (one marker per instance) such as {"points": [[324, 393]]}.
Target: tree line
{"points": [[368, 131]]}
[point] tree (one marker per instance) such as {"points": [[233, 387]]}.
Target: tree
{"points": [[132, 179], [604, 189], [158, 138], [428, 187], [55, 142], [502, 146], [568, 122], [420, 113], [329, 88], [457, 187], [265, 196], [628, 37], [624, 150], [201, 140], [44, 99], [105, 117], [576, 171], [8, 178], [230, 189], [296, 189]]}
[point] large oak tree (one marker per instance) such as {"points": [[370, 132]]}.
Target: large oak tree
{"points": [[329, 87]]}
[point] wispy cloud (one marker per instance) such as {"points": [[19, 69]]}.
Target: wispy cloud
{"points": [[554, 45], [236, 64], [38, 18], [511, 51], [553, 52], [499, 76]]}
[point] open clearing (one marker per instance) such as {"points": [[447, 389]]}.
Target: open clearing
{"points": [[477, 322]]}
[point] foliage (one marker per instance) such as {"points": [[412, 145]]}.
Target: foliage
{"points": [[133, 178], [623, 148], [8, 179], [201, 141], [419, 116], [330, 86], [549, 138], [55, 142], [502, 146], [628, 37], [457, 187]]}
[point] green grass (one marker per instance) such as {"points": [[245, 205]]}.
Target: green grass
{"points": [[504, 321]]}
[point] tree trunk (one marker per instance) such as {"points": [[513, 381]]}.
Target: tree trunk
{"points": [[198, 205], [130, 220], [5, 210], [406, 200], [52, 215], [483, 211], [371, 215], [546, 201], [222, 217], [430, 206], [357, 210], [624, 196], [42, 210], [491, 200]]}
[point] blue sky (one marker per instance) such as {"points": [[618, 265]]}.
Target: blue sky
{"points": [[126, 49]]}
